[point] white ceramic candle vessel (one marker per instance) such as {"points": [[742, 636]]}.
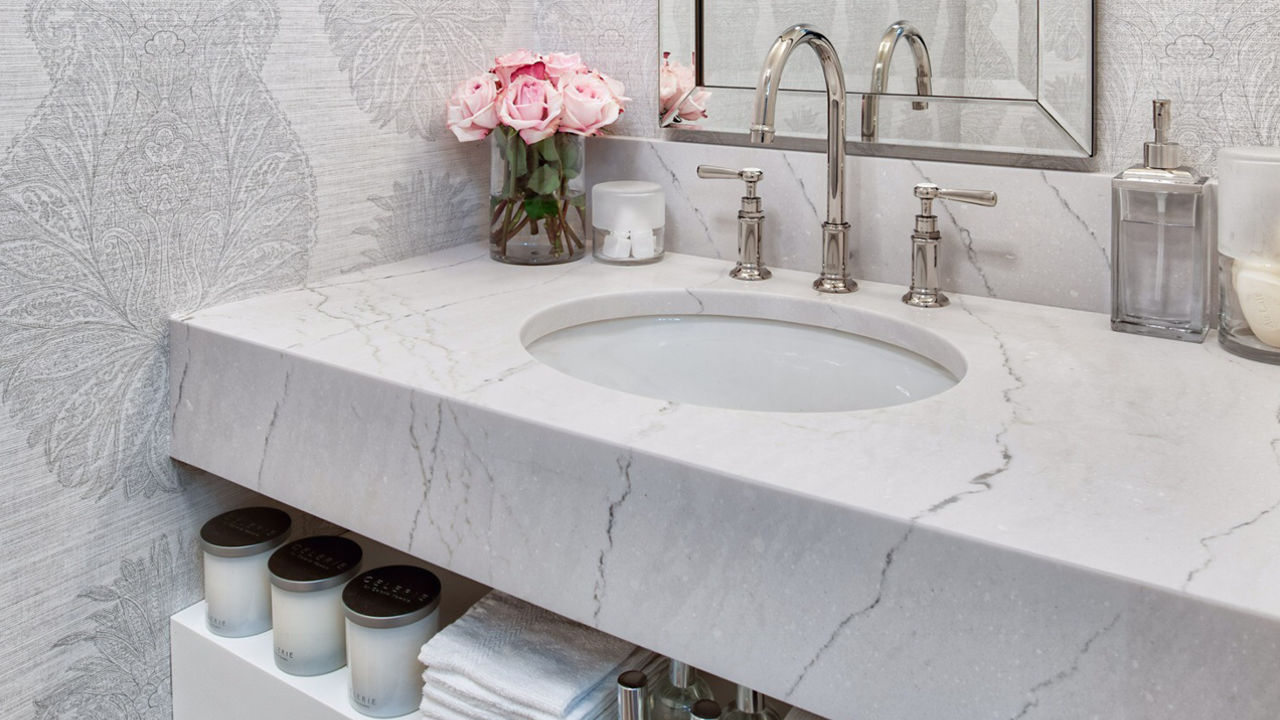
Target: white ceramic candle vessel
{"points": [[237, 545], [306, 603], [629, 220], [391, 613]]}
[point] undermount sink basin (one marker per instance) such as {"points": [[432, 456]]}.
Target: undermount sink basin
{"points": [[743, 351]]}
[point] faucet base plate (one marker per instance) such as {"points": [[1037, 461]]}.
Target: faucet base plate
{"points": [[926, 300], [750, 273], [834, 284]]}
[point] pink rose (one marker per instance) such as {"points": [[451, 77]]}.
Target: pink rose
{"points": [[531, 106], [615, 87], [589, 104], [520, 62], [560, 65], [472, 109]]}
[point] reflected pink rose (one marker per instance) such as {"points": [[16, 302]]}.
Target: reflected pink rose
{"points": [[471, 112], [676, 81], [531, 106]]}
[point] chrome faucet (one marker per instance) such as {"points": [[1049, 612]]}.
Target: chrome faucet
{"points": [[880, 75], [835, 231]]}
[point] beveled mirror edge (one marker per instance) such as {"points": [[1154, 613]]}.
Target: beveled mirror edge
{"points": [[1081, 160]]}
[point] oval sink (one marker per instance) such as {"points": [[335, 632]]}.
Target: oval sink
{"points": [[743, 351]]}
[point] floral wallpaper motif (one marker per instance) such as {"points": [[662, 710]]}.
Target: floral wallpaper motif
{"points": [[386, 49], [126, 676], [156, 177], [1216, 59], [421, 215]]}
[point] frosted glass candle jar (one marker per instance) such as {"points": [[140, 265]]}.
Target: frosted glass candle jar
{"points": [[237, 545], [391, 613], [306, 603], [1249, 252], [628, 221]]}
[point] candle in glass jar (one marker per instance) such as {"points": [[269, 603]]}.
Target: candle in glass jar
{"points": [[391, 613], [237, 545], [306, 603]]}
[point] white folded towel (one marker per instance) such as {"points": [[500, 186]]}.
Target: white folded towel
{"points": [[461, 694], [508, 659]]}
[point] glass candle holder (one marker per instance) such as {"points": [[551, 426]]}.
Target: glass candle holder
{"points": [[628, 221], [306, 603], [1249, 252], [391, 613], [237, 591]]}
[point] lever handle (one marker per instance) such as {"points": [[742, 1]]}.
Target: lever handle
{"points": [[928, 192], [924, 290], [975, 197], [715, 172], [750, 176]]}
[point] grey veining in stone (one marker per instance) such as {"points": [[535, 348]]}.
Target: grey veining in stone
{"points": [[1046, 242], [1059, 535]]}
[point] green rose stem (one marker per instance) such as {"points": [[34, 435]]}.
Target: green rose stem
{"points": [[536, 193]]}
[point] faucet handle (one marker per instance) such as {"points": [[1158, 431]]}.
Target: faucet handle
{"points": [[750, 221], [928, 192], [924, 290], [750, 176]]}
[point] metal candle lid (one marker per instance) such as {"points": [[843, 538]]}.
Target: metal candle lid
{"points": [[244, 532], [315, 563], [391, 596]]}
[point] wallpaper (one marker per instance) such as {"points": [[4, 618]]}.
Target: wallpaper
{"points": [[165, 155], [160, 156]]}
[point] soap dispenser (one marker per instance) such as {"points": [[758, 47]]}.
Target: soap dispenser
{"points": [[1160, 243]]}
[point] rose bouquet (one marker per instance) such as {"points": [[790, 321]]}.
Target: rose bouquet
{"points": [[536, 109]]}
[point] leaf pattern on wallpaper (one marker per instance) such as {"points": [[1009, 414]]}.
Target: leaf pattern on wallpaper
{"points": [[157, 177], [387, 47], [125, 676], [424, 215], [1216, 60], [1259, 50]]}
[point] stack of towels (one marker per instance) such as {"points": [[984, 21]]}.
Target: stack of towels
{"points": [[509, 660]]}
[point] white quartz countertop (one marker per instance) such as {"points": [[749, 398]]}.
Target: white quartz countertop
{"points": [[1153, 460]]}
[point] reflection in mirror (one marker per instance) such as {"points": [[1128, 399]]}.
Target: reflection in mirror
{"points": [[1013, 77]]}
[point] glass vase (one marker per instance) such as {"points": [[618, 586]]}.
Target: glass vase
{"points": [[537, 199]]}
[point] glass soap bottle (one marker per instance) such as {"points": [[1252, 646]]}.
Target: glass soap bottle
{"points": [[1160, 266], [750, 705], [676, 691]]}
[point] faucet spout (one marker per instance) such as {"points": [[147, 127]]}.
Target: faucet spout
{"points": [[835, 231], [901, 30]]}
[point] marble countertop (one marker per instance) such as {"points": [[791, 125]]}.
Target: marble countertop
{"points": [[1151, 461]]}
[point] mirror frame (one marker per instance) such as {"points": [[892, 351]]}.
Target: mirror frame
{"points": [[1078, 158]]}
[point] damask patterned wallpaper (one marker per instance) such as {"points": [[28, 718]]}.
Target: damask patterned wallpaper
{"points": [[164, 155]]}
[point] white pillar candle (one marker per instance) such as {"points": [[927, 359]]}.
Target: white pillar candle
{"points": [[237, 545], [306, 603], [391, 613]]}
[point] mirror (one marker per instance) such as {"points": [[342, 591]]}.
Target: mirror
{"points": [[1004, 81]]}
